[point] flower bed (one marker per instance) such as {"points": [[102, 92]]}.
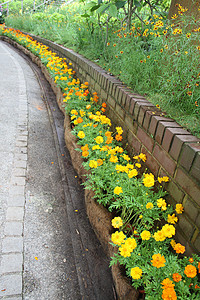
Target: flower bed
{"points": [[143, 242]]}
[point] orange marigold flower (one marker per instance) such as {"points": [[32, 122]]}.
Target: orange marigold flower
{"points": [[169, 294], [118, 137], [85, 153], [177, 277], [167, 283], [103, 109], [79, 120], [197, 287], [104, 104], [190, 271], [199, 266], [191, 260], [158, 260], [179, 248]]}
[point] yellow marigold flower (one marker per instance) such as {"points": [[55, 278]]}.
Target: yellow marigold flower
{"points": [[190, 271], [119, 130], [81, 134], [143, 157], [73, 117], [177, 277], [145, 235], [138, 165], [159, 236], [148, 180], [162, 203], [168, 230], [113, 159], [93, 164], [117, 222], [99, 161], [149, 205], [131, 243], [118, 190], [136, 273], [99, 139], [179, 208], [88, 106], [179, 248], [96, 147], [163, 179], [169, 294], [173, 243], [126, 157], [118, 237], [74, 112], [158, 260], [167, 283], [172, 219], [132, 173], [125, 251]]}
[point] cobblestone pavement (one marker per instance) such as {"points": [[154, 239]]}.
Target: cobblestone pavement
{"points": [[48, 250]]}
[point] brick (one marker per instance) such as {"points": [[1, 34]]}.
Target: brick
{"points": [[97, 88], [128, 102], [23, 138], [12, 244], [120, 111], [186, 226], [178, 142], [181, 238], [145, 139], [15, 213], [151, 163], [169, 134], [197, 223], [20, 164], [187, 155], [22, 150], [10, 285], [13, 228], [11, 263], [132, 105], [197, 243], [191, 209], [104, 95], [133, 142], [195, 170], [188, 185], [111, 101], [147, 119], [161, 155], [175, 191], [120, 96], [16, 200], [130, 123], [154, 123]]}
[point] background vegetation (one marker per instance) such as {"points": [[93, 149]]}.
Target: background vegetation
{"points": [[134, 41]]}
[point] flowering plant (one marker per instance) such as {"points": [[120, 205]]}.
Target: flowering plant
{"points": [[144, 221]]}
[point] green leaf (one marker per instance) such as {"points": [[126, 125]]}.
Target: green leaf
{"points": [[102, 8], [85, 16], [137, 4], [95, 7], [113, 10], [120, 4]]}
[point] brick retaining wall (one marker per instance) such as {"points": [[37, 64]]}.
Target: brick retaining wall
{"points": [[170, 149]]}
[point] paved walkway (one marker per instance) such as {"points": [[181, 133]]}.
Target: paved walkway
{"points": [[48, 250]]}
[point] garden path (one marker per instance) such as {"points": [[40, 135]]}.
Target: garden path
{"points": [[48, 250]]}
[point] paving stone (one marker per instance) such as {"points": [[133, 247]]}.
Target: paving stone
{"points": [[23, 137], [13, 298], [19, 172], [18, 180], [15, 213], [21, 150], [16, 200], [11, 263], [21, 156], [17, 190], [12, 244], [10, 285], [21, 144], [20, 164], [23, 132], [13, 228]]}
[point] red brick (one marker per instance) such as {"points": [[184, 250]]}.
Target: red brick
{"points": [[154, 123], [195, 170], [187, 155], [111, 102], [186, 226], [161, 155], [181, 238], [134, 142], [127, 104], [120, 111], [151, 163], [160, 132], [197, 243], [191, 209], [130, 123], [132, 105], [169, 134], [177, 143], [188, 185], [145, 139], [138, 106], [174, 191], [147, 119]]}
